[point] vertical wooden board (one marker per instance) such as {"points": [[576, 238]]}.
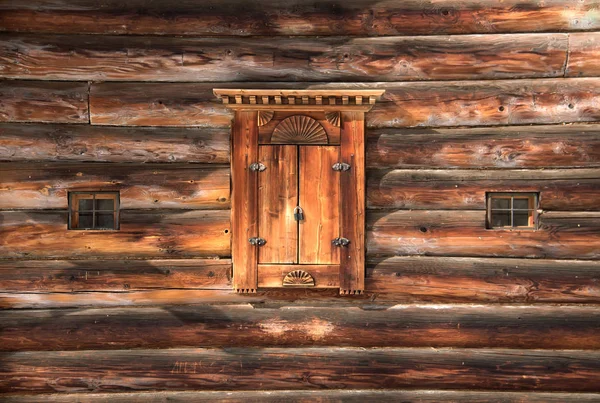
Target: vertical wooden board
{"points": [[320, 200], [277, 198], [243, 208], [352, 193]]}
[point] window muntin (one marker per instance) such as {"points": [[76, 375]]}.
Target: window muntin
{"points": [[94, 210], [512, 210]]}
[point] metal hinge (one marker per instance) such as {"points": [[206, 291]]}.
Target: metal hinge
{"points": [[341, 242], [341, 166], [257, 166], [256, 241]]}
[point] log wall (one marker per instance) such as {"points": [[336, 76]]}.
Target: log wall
{"points": [[480, 96]]}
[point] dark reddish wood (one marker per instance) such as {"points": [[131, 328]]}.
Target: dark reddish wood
{"points": [[46, 186], [492, 147], [352, 197], [115, 58], [53, 102], [277, 198], [49, 142], [565, 189], [244, 210], [272, 275], [299, 17], [304, 368], [320, 200], [142, 233], [562, 235], [584, 52], [333, 131]]}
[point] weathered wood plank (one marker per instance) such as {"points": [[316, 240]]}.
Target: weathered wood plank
{"points": [[46, 186], [34, 101], [113, 275], [493, 326], [36, 234], [584, 52], [452, 103], [298, 17], [323, 396], [45, 142], [561, 235], [118, 58], [302, 368], [564, 189], [451, 279], [559, 146]]}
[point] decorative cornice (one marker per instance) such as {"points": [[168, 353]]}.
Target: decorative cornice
{"points": [[328, 100]]}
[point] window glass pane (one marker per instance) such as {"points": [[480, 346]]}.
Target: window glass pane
{"points": [[85, 204], [521, 218], [501, 219], [521, 204], [105, 204], [106, 221], [85, 220], [498, 203]]}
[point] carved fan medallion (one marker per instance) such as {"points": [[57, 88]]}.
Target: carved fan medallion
{"points": [[265, 117], [299, 129], [298, 278]]}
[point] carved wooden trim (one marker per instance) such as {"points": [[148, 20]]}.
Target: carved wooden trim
{"points": [[265, 117], [298, 278], [299, 129], [333, 118]]}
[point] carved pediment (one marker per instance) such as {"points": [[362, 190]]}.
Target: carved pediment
{"points": [[299, 129]]}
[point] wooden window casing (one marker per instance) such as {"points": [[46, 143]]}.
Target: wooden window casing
{"points": [[99, 215], [502, 208]]}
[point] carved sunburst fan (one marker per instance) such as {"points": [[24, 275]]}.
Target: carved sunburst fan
{"points": [[298, 278], [265, 117], [333, 118], [299, 129]]}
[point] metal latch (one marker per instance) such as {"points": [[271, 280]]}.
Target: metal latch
{"points": [[341, 242], [341, 166], [298, 214], [257, 166], [256, 241]]}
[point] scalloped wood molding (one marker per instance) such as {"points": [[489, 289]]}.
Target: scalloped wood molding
{"points": [[324, 100]]}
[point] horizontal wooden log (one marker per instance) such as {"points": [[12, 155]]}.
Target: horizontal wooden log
{"points": [[173, 233], [324, 396], [118, 58], [113, 275], [298, 17], [494, 147], [560, 189], [299, 368], [46, 186], [561, 235], [456, 103], [34, 101], [44, 142], [452, 279], [584, 52], [472, 326]]}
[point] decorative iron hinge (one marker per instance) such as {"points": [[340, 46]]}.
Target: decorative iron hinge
{"points": [[257, 166], [256, 241], [341, 242], [341, 166]]}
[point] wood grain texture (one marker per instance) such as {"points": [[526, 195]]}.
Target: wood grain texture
{"points": [[298, 17], [494, 147], [560, 189], [36, 234], [416, 104], [561, 235], [277, 199], [304, 368], [483, 280], [117, 58], [46, 186], [114, 275], [584, 52], [85, 143], [33, 101], [320, 196], [510, 326], [303, 396]]}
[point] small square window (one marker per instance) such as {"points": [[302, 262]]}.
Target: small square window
{"points": [[94, 210], [512, 210]]}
